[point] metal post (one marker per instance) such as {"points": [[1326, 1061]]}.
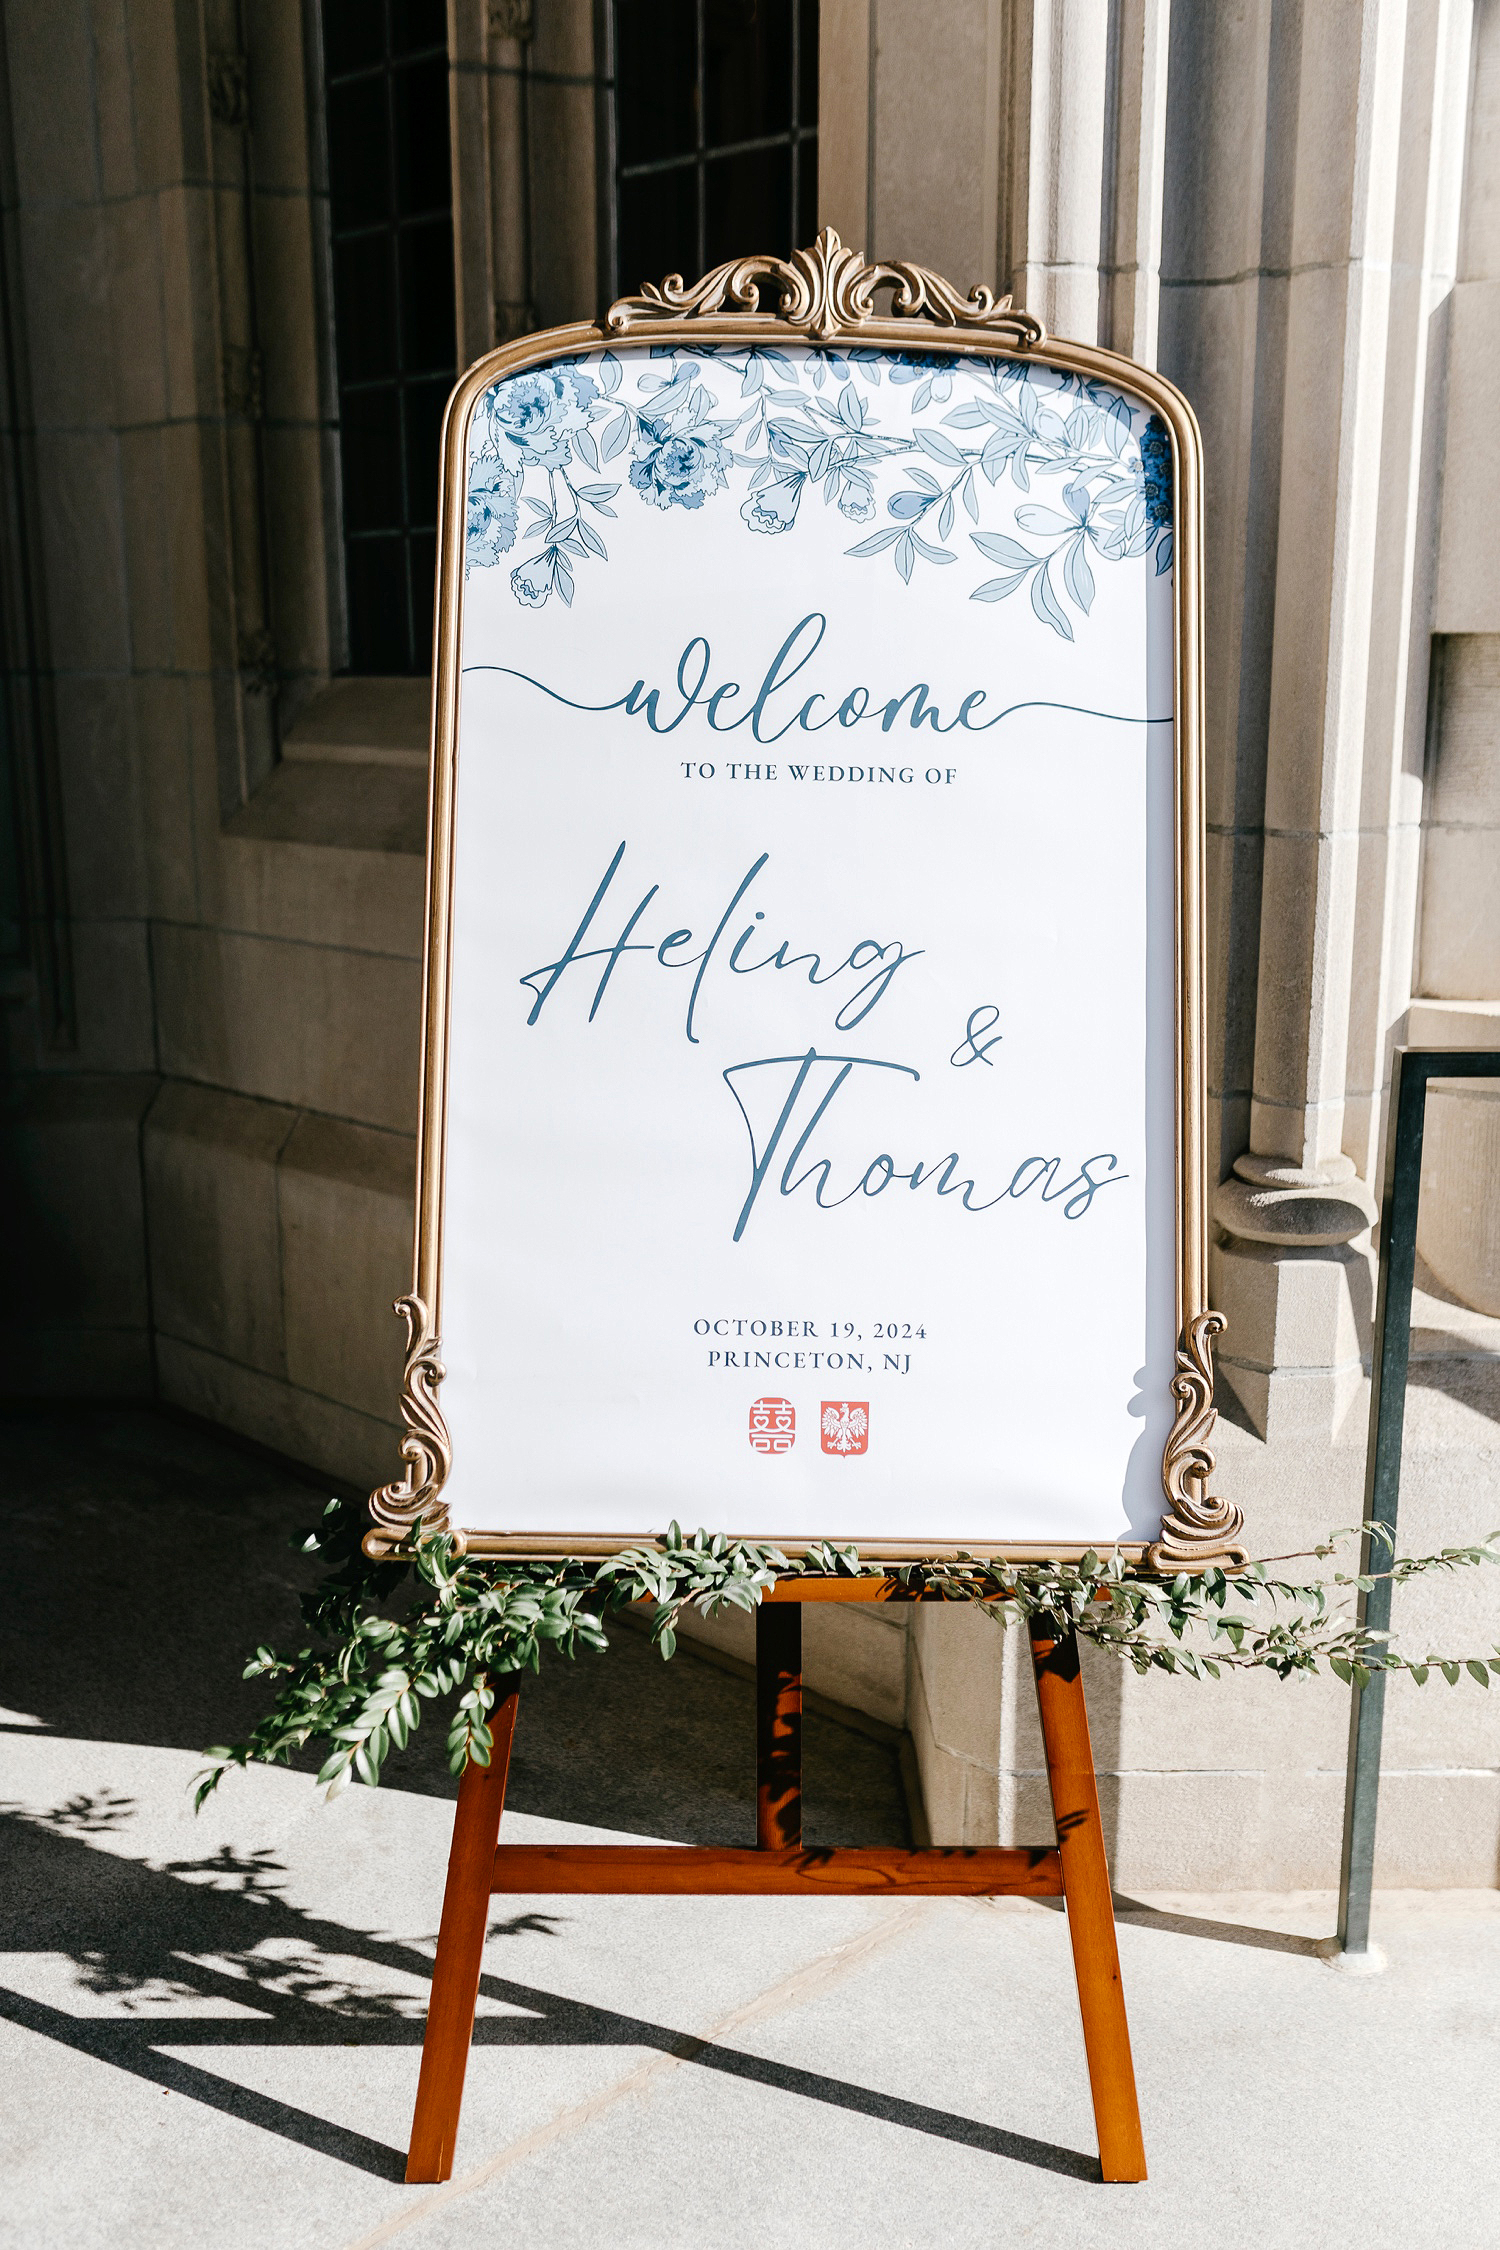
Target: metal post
{"points": [[1411, 1069]]}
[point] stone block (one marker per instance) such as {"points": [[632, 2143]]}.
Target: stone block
{"points": [[565, 246], [957, 1655], [50, 71], [1460, 940], [1463, 783], [278, 96], [316, 1028], [101, 803], [284, 276], [856, 1653], [1232, 885], [170, 113], [112, 989], [1458, 1220], [929, 129], [945, 1779], [136, 335], [166, 532], [1468, 581], [347, 1198], [1298, 1325], [299, 483], [363, 808], [367, 901], [74, 1225], [79, 490], [164, 759], [210, 1164], [113, 99], [186, 229], [852, 1652], [335, 1439], [365, 722], [66, 258]]}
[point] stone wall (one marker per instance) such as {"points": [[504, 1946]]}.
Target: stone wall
{"points": [[211, 1029]]}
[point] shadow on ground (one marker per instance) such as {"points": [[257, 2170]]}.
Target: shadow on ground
{"points": [[214, 1930], [153, 1554]]}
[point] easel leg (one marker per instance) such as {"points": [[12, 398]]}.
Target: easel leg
{"points": [[778, 1726], [1091, 1914], [460, 1948]]}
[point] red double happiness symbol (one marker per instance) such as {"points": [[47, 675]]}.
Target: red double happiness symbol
{"points": [[773, 1425], [846, 1426]]}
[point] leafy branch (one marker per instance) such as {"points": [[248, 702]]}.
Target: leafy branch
{"points": [[462, 1626]]}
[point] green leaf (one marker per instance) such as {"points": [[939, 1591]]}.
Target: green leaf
{"points": [[1450, 1673], [1478, 1671]]}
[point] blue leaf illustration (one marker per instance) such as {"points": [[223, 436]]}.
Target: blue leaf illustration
{"points": [[940, 448], [876, 544], [996, 589], [1045, 520], [905, 558], [1046, 604], [998, 548], [1077, 576]]}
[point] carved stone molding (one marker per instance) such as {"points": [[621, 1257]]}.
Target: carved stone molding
{"points": [[1197, 1528], [825, 291], [426, 1449]]}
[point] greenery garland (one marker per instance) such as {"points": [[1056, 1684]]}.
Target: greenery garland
{"points": [[461, 1625]]}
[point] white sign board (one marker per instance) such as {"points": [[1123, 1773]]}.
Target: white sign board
{"points": [[810, 1077]]}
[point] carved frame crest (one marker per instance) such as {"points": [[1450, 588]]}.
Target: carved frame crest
{"points": [[830, 294]]}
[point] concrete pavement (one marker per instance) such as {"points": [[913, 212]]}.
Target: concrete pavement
{"points": [[209, 2029]]}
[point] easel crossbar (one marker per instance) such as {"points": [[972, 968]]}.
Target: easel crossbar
{"points": [[781, 1866], [650, 1870]]}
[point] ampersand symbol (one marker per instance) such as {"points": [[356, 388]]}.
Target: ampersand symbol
{"points": [[981, 1021]]}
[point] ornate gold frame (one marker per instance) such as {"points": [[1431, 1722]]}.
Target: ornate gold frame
{"points": [[824, 295]]}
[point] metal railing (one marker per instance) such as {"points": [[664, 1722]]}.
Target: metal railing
{"points": [[1412, 1070]]}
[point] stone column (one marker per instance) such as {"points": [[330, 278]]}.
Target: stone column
{"points": [[1365, 93], [1458, 976]]}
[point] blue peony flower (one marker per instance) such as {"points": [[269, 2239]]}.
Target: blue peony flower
{"points": [[532, 417], [531, 582], [677, 472], [1156, 472], [774, 507], [857, 502], [491, 530]]}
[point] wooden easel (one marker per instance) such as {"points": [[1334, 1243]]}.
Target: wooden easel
{"points": [[479, 1865]]}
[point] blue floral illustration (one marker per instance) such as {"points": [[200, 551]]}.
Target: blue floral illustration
{"points": [[1077, 476], [774, 507], [1156, 471], [532, 582], [677, 471], [492, 512], [533, 417]]}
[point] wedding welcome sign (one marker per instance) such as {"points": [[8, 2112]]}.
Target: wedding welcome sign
{"points": [[811, 1142]]}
